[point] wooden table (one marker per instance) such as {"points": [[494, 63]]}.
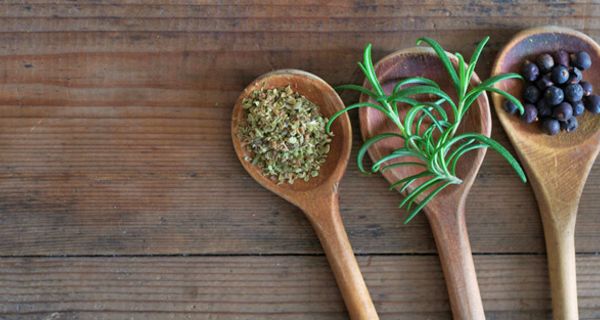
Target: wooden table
{"points": [[121, 196]]}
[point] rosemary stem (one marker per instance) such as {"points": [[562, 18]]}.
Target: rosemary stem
{"points": [[396, 120], [461, 105], [396, 117], [452, 179]]}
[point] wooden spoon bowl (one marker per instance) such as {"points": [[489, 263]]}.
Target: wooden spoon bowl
{"points": [[329, 102], [445, 212], [318, 197], [557, 166]]}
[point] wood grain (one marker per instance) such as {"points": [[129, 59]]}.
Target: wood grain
{"points": [[114, 126], [446, 211], [408, 287], [557, 167], [114, 140], [318, 197]]}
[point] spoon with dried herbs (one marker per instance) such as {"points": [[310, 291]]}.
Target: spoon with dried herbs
{"points": [[426, 124], [278, 131]]}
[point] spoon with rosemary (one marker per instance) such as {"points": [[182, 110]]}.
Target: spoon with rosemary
{"points": [[318, 195], [421, 111]]}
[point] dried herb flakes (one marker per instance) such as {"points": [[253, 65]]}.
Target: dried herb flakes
{"points": [[285, 134]]}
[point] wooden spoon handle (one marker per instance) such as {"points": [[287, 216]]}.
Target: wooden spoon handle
{"points": [[560, 247], [452, 241], [558, 209], [325, 218]]}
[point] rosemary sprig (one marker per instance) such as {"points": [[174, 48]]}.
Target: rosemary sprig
{"points": [[436, 146]]}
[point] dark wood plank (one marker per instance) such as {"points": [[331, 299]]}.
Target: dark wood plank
{"points": [[403, 287], [114, 125]]}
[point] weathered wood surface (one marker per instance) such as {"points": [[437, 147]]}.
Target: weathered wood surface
{"points": [[275, 287], [114, 140]]}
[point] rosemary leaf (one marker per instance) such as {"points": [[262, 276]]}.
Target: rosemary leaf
{"points": [[415, 80], [358, 88], [423, 203], [365, 147], [418, 129]]}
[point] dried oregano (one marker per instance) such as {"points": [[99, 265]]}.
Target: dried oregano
{"points": [[284, 134]]}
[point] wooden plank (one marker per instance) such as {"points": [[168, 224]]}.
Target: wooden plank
{"points": [[114, 124], [292, 9], [270, 287]]}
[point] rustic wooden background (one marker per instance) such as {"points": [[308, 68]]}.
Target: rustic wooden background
{"points": [[121, 196]]}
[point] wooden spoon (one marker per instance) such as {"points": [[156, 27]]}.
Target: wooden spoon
{"points": [[446, 212], [318, 197], [557, 166]]}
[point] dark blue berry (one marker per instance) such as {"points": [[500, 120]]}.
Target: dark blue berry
{"points": [[592, 103], [530, 114], [554, 95], [569, 125], [510, 106], [587, 88], [582, 60], [560, 74], [543, 109], [545, 62], [550, 126], [573, 92], [575, 76], [544, 82], [530, 71], [563, 112], [578, 108], [531, 94], [561, 57]]}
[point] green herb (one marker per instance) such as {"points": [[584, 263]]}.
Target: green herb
{"points": [[434, 143], [285, 134]]}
